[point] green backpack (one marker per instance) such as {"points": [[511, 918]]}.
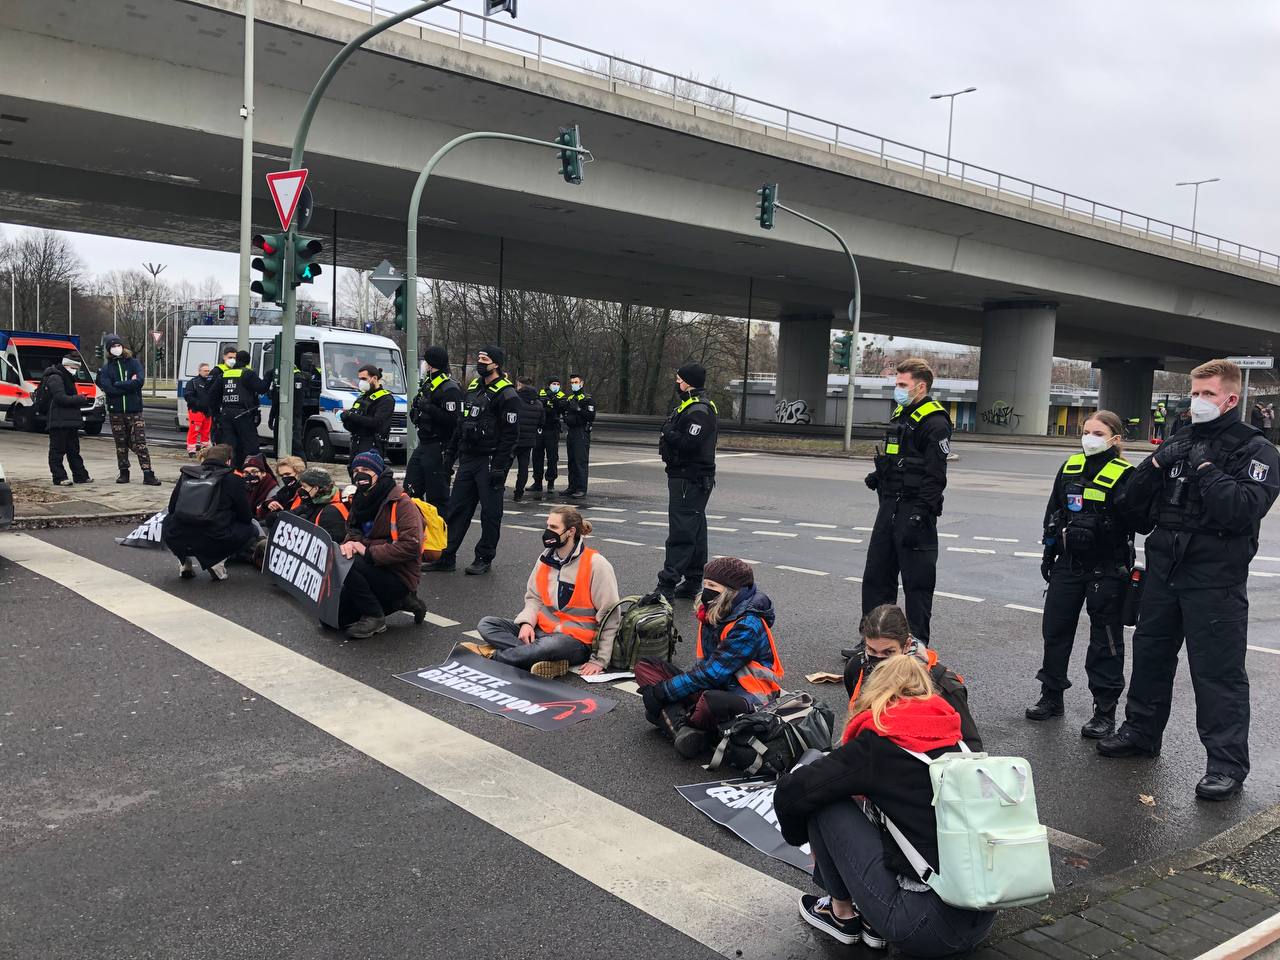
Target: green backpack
{"points": [[645, 630]]}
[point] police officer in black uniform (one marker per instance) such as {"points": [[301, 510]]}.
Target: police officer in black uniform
{"points": [[548, 443], [369, 419], [238, 407], [1088, 559], [483, 445], [1204, 493], [579, 415], [910, 477], [688, 448], [297, 410], [435, 414]]}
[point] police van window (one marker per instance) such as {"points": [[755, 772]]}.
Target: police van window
{"points": [[256, 357], [342, 363], [268, 357], [10, 371], [198, 352]]}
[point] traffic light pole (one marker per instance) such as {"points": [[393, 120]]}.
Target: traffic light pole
{"points": [[855, 319], [411, 257]]}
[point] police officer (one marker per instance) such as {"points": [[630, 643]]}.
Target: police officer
{"points": [[435, 414], [238, 410], [215, 392], [548, 444], [1205, 493], [688, 448], [297, 409], [1088, 557], [369, 419], [483, 446], [910, 476], [1158, 417], [579, 415]]}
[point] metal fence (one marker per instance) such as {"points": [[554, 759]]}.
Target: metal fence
{"points": [[624, 76]]}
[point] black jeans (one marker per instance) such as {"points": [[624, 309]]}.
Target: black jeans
{"points": [[1215, 623], [546, 447], [426, 477], [686, 530], [579, 449], [239, 430], [471, 488], [523, 455], [848, 855], [65, 442], [1101, 592], [369, 591], [887, 556], [505, 635]]}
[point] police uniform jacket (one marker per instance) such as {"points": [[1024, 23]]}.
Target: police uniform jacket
{"points": [[579, 411], [241, 388], [688, 442], [437, 408], [1205, 520], [532, 417], [913, 465], [489, 424], [1085, 518], [555, 404], [370, 415]]}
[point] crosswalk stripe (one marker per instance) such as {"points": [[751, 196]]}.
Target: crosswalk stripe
{"points": [[595, 519], [839, 539], [625, 543], [757, 520], [1018, 606], [595, 510], [820, 526], [724, 529], [774, 533], [969, 550], [816, 573], [653, 523], [957, 596], [730, 907]]}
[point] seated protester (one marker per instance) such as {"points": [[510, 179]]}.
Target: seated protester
{"points": [[384, 538], [321, 503], [285, 495], [737, 669], [872, 892], [885, 634], [570, 587], [225, 529], [259, 483]]}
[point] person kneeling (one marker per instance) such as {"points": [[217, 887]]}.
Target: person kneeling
{"points": [[570, 586], [209, 518], [738, 671], [872, 892], [384, 543]]}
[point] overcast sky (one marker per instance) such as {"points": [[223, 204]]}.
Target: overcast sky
{"points": [[1114, 101]]}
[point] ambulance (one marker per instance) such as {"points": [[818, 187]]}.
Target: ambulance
{"points": [[24, 357]]}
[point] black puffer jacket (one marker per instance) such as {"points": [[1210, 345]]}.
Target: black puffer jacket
{"points": [[532, 417], [66, 407]]}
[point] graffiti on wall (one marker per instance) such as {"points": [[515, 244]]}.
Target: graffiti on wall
{"points": [[791, 411], [1000, 414]]}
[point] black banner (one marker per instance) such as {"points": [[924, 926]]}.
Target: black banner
{"points": [[146, 534], [746, 808], [509, 692], [303, 560]]}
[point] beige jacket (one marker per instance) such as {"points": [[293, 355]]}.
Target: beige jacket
{"points": [[604, 594]]}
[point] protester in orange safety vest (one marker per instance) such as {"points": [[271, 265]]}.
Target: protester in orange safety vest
{"points": [[738, 667], [571, 584]]}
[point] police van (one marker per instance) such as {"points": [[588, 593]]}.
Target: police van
{"points": [[336, 352]]}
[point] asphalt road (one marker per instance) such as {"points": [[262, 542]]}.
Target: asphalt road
{"points": [[156, 808]]}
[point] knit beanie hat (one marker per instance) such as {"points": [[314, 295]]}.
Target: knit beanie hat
{"points": [[494, 353], [315, 477], [437, 358], [694, 374], [730, 571], [111, 340], [370, 460]]}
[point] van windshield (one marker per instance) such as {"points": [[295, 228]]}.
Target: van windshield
{"points": [[342, 362], [36, 360]]}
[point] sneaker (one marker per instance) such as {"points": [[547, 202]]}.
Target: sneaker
{"points": [[412, 603], [578, 495], [84, 479], [191, 454], [550, 669], [366, 627], [536, 488], [870, 938], [439, 566], [150, 479], [218, 571], [185, 569], [479, 649], [689, 741], [479, 568], [817, 912], [64, 482]]}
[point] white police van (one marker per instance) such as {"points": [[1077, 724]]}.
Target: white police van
{"points": [[338, 353]]}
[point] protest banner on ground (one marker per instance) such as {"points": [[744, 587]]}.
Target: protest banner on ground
{"points": [[746, 808], [303, 560], [508, 691], [145, 534]]}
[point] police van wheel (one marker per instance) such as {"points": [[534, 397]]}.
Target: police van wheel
{"points": [[317, 445], [24, 419]]}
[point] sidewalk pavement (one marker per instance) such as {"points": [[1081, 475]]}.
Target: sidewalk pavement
{"points": [[25, 457]]}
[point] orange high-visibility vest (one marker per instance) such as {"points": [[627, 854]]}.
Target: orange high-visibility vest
{"points": [[336, 501], [755, 677], [931, 661], [579, 618]]}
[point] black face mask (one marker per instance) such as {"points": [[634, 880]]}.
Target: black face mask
{"points": [[363, 481], [484, 369], [551, 539], [710, 596]]}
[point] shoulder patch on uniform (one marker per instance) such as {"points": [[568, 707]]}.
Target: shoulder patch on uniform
{"points": [[451, 405], [695, 429], [512, 417], [1258, 470], [945, 447]]}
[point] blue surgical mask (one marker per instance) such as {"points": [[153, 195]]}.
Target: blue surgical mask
{"points": [[901, 396]]}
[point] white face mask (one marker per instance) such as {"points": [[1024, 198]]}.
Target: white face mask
{"points": [[231, 362], [365, 386], [117, 351], [1093, 444], [70, 370], [1204, 411], [575, 387]]}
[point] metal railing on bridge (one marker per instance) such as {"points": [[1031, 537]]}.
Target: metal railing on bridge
{"points": [[630, 77]]}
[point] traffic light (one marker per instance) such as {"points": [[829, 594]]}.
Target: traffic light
{"points": [[842, 351], [401, 300], [97, 354], [570, 160], [305, 251], [270, 264], [222, 311], [768, 198], [159, 356]]}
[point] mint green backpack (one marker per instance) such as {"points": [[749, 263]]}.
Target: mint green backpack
{"points": [[993, 851]]}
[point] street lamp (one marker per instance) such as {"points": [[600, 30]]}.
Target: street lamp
{"points": [[1195, 202], [951, 115], [155, 269]]}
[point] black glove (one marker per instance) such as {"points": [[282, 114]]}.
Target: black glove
{"points": [[1172, 451], [1050, 557], [652, 702], [872, 480], [650, 598], [497, 478], [448, 464], [913, 532], [1199, 454]]}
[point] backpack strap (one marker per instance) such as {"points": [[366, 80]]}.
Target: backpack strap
{"points": [[918, 863]]}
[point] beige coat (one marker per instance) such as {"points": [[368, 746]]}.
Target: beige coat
{"points": [[604, 594]]}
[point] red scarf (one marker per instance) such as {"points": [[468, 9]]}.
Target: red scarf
{"points": [[920, 725]]}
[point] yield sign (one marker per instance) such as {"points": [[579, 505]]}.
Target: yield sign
{"points": [[156, 335], [286, 188]]}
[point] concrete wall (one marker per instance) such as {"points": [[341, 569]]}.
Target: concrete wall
{"points": [[1015, 369], [804, 349]]}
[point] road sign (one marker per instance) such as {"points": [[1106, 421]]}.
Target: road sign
{"points": [[386, 278], [157, 335], [286, 190], [1253, 363]]}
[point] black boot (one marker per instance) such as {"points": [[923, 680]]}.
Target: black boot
{"points": [[124, 477], [1049, 705], [1101, 725], [688, 589], [688, 741], [150, 479]]}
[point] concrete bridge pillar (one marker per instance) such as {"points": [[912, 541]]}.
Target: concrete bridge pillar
{"points": [[1125, 387], [1016, 367], [804, 353]]}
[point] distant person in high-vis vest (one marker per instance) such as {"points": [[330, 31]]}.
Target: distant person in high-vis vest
{"points": [[369, 419], [238, 410]]}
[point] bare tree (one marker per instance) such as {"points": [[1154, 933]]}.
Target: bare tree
{"points": [[43, 265]]}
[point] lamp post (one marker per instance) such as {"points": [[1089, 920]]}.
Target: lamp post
{"points": [[155, 269], [1195, 200], [246, 183], [951, 115]]}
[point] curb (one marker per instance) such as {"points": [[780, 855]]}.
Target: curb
{"points": [[80, 520], [1252, 942]]}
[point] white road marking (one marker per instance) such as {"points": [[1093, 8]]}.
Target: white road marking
{"points": [[653, 523], [816, 573], [754, 563], [1271, 559], [1086, 848], [969, 550], [820, 526], [854, 579], [436, 620], [510, 513], [726, 456], [869, 529], [724, 529], [1030, 556], [839, 539], [715, 516], [473, 634], [607, 509], [623, 463], [996, 539], [957, 596], [629, 543], [711, 898], [774, 533], [517, 526], [1264, 649], [1262, 573], [757, 520], [1018, 606], [949, 536], [595, 519], [653, 513]]}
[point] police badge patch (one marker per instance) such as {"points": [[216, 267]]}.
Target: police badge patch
{"points": [[695, 429], [1258, 470], [451, 405], [512, 417], [945, 447], [1075, 502]]}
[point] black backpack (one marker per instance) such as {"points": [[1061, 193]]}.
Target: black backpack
{"points": [[198, 496], [42, 399], [770, 741]]}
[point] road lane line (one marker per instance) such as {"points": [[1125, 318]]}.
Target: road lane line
{"points": [[473, 634], [438, 621], [815, 573], [839, 539], [653, 523], [595, 519], [517, 526], [774, 533], [1271, 559], [653, 513], [1018, 606], [629, 543], [754, 563], [726, 905], [715, 516], [1264, 649], [1262, 573], [970, 550], [623, 463], [820, 526], [950, 536], [1030, 556], [957, 596], [854, 579], [869, 529], [606, 509], [724, 529], [996, 539], [757, 520]]}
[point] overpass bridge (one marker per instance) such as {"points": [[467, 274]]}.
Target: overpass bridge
{"points": [[121, 117]]}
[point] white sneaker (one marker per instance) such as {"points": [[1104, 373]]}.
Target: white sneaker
{"points": [[185, 570], [218, 571]]}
